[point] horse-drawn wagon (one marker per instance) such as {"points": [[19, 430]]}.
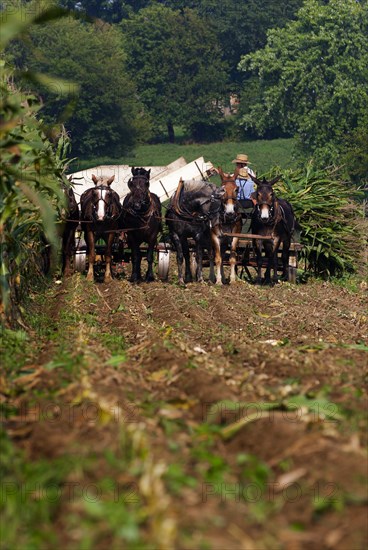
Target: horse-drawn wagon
{"points": [[204, 231]]}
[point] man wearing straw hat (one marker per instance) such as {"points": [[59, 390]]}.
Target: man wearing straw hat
{"points": [[243, 181]]}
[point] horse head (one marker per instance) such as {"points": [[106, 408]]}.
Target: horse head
{"points": [[265, 198], [103, 201], [139, 189], [230, 204], [209, 201]]}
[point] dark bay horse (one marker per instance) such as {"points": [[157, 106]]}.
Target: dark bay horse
{"points": [[193, 208], [230, 221], [142, 221], [100, 217], [272, 217], [69, 226]]}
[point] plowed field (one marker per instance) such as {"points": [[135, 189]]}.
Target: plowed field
{"points": [[206, 417]]}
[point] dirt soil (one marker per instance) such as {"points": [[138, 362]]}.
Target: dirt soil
{"points": [[236, 415]]}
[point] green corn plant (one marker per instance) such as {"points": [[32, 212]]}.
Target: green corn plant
{"points": [[31, 171], [333, 228]]}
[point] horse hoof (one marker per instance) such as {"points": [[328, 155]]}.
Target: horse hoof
{"points": [[149, 279], [107, 279], [90, 278]]}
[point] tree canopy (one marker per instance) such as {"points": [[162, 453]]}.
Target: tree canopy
{"points": [[175, 59], [106, 117], [313, 77]]}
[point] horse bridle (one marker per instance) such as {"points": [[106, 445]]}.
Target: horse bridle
{"points": [[108, 211], [150, 208], [229, 218]]}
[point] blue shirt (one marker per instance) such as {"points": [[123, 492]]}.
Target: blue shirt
{"points": [[245, 188]]}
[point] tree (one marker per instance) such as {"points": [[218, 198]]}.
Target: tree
{"points": [[107, 117], [175, 59], [313, 78], [112, 11]]}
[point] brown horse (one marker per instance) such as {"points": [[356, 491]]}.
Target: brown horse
{"points": [[100, 217], [230, 221], [142, 221], [272, 217]]}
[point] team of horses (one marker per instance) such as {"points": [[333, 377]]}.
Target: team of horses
{"points": [[199, 212]]}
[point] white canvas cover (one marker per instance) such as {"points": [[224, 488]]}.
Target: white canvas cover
{"points": [[164, 179]]}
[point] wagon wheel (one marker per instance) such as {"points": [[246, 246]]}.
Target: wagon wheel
{"points": [[80, 261], [163, 262], [80, 256]]}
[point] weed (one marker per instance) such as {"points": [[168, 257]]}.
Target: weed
{"points": [[113, 341], [190, 365], [13, 349], [176, 478]]}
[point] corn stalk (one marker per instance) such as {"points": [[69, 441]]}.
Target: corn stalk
{"points": [[31, 197], [330, 212]]}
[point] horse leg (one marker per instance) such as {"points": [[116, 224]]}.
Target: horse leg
{"points": [[65, 249], [269, 254], [234, 244], [188, 278], [179, 256], [276, 247], [134, 278], [216, 245], [90, 240], [199, 257], [258, 250], [110, 240], [212, 265], [285, 259], [149, 275]]}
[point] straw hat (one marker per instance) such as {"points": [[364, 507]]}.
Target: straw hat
{"points": [[243, 159]]}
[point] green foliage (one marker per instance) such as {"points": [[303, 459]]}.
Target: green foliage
{"points": [[175, 59], [333, 230], [242, 26], [105, 118], [31, 196], [313, 78], [355, 157]]}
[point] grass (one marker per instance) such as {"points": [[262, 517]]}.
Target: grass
{"points": [[263, 154]]}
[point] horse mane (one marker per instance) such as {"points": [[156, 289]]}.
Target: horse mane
{"points": [[197, 185]]}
